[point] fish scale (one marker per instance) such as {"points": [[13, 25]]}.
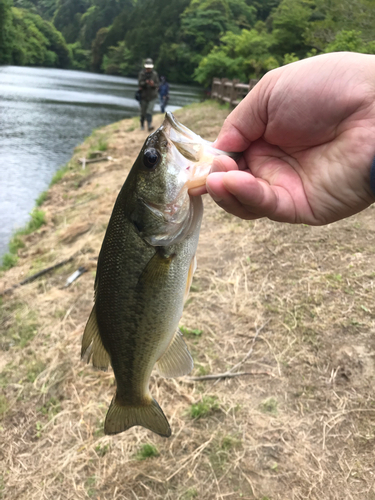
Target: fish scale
{"points": [[144, 271]]}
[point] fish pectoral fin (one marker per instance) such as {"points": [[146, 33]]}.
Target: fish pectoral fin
{"points": [[149, 415], [92, 345], [177, 360], [156, 270]]}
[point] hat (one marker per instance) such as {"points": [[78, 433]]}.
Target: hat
{"points": [[149, 63]]}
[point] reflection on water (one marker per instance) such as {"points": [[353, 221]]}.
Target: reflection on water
{"points": [[44, 114]]}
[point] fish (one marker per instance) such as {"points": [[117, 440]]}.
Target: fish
{"points": [[144, 272]]}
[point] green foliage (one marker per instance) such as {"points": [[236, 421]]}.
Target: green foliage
{"points": [[5, 31], [350, 41], [188, 39], [204, 408], [80, 58], [117, 62], [241, 56], [147, 451], [290, 21], [33, 41]]}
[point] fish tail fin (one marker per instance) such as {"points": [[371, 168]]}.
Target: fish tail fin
{"points": [[121, 417]]}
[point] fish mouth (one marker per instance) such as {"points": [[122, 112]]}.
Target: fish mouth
{"points": [[198, 152]]}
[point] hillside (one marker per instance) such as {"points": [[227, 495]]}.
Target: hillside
{"points": [[293, 304]]}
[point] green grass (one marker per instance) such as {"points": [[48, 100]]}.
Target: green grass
{"points": [[191, 332], [37, 219], [147, 451], [102, 145], [102, 450], [269, 405], [41, 199], [204, 408], [19, 324], [9, 260], [190, 494], [3, 405], [50, 408], [59, 174]]}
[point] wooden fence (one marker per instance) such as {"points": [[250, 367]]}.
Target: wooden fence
{"points": [[231, 91]]}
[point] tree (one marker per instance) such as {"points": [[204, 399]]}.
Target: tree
{"points": [[5, 31], [290, 21]]}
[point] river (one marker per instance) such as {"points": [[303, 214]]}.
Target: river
{"points": [[44, 114]]}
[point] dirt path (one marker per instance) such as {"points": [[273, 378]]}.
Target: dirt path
{"points": [[297, 301]]}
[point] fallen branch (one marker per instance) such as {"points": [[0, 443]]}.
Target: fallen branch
{"points": [[248, 353], [85, 161], [36, 275], [228, 374]]}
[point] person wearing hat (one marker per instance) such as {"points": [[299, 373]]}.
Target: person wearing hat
{"points": [[148, 81]]}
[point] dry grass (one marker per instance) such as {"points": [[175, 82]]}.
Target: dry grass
{"points": [[299, 301]]}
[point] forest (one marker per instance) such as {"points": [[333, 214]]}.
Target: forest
{"points": [[191, 41]]}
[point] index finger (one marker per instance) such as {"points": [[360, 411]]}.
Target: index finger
{"points": [[247, 122]]}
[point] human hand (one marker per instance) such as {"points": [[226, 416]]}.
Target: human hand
{"points": [[307, 133]]}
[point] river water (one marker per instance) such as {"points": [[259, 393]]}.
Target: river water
{"points": [[44, 114]]}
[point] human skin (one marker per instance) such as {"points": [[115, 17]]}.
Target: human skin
{"points": [[307, 134]]}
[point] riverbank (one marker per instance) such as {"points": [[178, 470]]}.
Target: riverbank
{"points": [[294, 304]]}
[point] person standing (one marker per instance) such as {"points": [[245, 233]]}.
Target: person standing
{"points": [[148, 81], [163, 93]]}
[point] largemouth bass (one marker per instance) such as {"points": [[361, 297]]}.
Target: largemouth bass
{"points": [[145, 268]]}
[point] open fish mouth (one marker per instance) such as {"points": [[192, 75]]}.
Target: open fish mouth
{"points": [[198, 152]]}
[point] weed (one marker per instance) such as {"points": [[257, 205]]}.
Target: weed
{"points": [[229, 442], [59, 174], [190, 494], [202, 370], [38, 427], [205, 407], [15, 244], [147, 451], [102, 450], [41, 199], [191, 333], [3, 405], [34, 368], [38, 218], [19, 324], [50, 408], [269, 405], [90, 486], [9, 260], [99, 428]]}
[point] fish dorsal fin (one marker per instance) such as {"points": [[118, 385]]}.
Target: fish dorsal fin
{"points": [[92, 345], [177, 360]]}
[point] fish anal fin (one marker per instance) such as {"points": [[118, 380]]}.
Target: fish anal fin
{"points": [[177, 360], [92, 345], [192, 268], [121, 417]]}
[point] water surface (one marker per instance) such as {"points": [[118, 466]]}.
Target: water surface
{"points": [[44, 114]]}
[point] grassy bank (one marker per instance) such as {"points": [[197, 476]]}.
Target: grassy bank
{"points": [[294, 303]]}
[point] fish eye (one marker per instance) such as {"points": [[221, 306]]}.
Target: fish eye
{"points": [[151, 158]]}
